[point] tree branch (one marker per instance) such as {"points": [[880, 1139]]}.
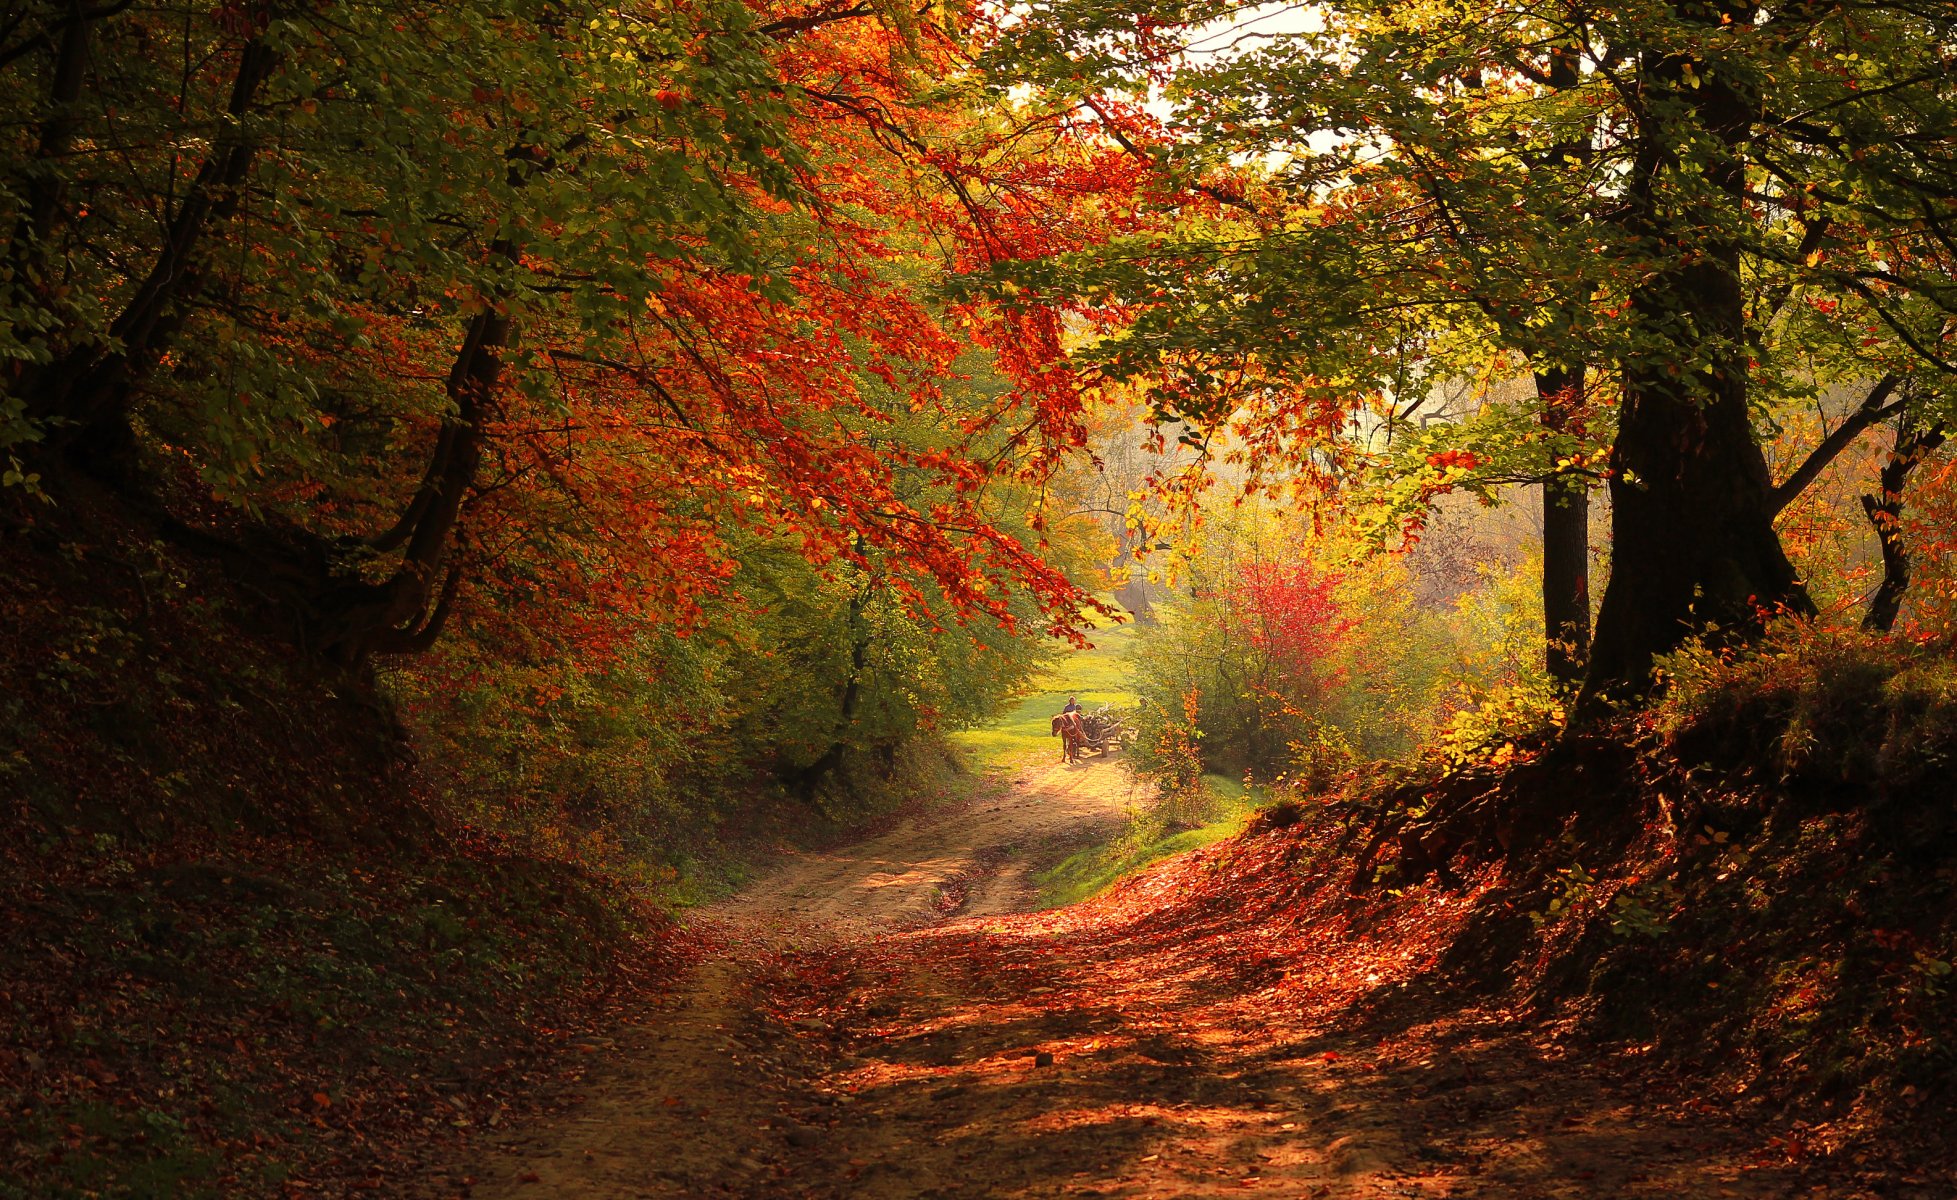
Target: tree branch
{"points": [[1874, 407], [1126, 143]]}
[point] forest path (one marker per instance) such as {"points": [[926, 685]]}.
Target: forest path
{"points": [[974, 858], [847, 1039]]}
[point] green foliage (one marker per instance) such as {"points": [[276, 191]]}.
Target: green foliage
{"points": [[1235, 672], [637, 759], [385, 139], [1216, 808], [1503, 440], [1638, 911], [1496, 691], [1500, 124], [1571, 893], [1195, 708]]}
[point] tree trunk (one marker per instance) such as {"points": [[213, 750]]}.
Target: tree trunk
{"points": [[1914, 443], [86, 392], [1565, 495], [1693, 544], [405, 612], [1565, 540], [44, 188], [808, 780], [1133, 594]]}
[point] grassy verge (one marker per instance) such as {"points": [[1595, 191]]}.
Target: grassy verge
{"points": [[1151, 835], [1094, 677]]}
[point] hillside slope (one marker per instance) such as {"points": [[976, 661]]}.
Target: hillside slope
{"points": [[243, 951]]}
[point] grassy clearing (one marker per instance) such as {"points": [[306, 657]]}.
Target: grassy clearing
{"points": [[1151, 835], [1096, 677]]}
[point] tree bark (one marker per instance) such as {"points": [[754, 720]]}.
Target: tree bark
{"points": [[1565, 540], [1693, 545], [1565, 495], [1914, 443], [1133, 594], [84, 394], [44, 187], [405, 612]]}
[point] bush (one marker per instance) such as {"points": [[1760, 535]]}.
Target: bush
{"points": [[1820, 710], [641, 752], [1289, 668]]}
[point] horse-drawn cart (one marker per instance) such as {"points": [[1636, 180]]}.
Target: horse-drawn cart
{"points": [[1104, 729]]}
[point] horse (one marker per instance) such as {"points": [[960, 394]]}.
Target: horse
{"points": [[1072, 732]]}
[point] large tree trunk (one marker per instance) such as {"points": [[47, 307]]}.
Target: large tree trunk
{"points": [[1565, 540], [1693, 544]]}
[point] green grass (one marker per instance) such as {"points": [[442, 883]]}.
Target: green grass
{"points": [[1150, 836], [1096, 677]]}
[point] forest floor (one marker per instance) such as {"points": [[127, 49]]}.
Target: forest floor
{"points": [[891, 1021]]}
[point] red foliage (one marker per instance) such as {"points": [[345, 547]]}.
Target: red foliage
{"points": [[1467, 460], [1292, 618], [1930, 533]]}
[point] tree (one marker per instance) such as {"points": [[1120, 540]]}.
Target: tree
{"points": [[520, 301], [1645, 193], [1915, 441]]}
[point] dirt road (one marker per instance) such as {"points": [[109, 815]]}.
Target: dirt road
{"points": [[971, 859], [888, 1023]]}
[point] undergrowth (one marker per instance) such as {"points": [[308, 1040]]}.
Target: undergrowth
{"points": [[253, 1016], [244, 949], [1755, 879]]}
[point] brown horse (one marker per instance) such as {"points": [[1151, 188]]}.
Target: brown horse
{"points": [[1072, 732]]}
